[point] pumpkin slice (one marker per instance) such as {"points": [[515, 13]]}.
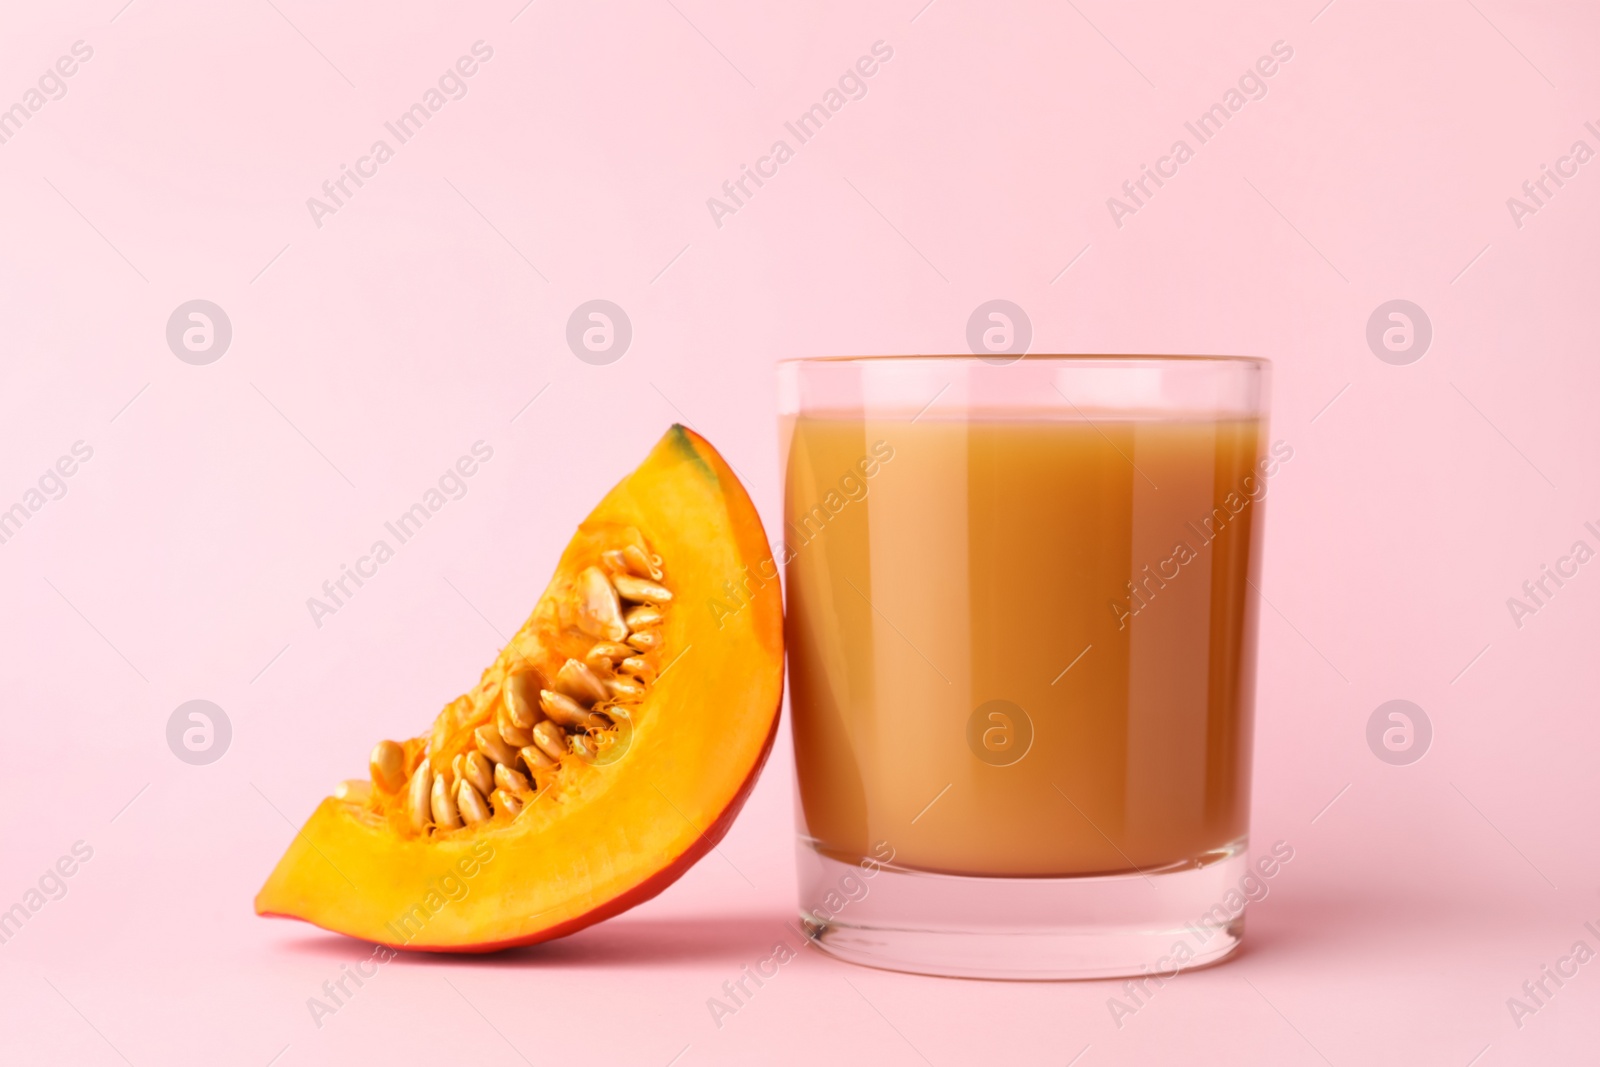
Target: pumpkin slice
{"points": [[608, 747]]}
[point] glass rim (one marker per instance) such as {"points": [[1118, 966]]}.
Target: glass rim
{"points": [[1142, 386], [999, 360]]}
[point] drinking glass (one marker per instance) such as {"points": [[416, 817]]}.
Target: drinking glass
{"points": [[1022, 634]]}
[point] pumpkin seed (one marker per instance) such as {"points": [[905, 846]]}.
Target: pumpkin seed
{"points": [[645, 640], [512, 781], [417, 807], [446, 816], [599, 610], [474, 809], [643, 617], [642, 564], [534, 757], [639, 589], [566, 711], [491, 745], [625, 690], [550, 740], [521, 699], [580, 683], [513, 735], [639, 668], [479, 772], [388, 766], [602, 655]]}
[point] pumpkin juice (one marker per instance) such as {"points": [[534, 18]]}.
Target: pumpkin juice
{"points": [[1024, 646]]}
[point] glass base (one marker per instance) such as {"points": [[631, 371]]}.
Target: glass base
{"points": [[1111, 926]]}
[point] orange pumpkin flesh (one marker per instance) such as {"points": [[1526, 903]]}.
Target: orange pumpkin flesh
{"points": [[602, 830]]}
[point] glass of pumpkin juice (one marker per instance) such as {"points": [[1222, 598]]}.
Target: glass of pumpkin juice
{"points": [[1021, 623]]}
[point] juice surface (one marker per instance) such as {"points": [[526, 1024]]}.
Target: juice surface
{"points": [[1023, 647]]}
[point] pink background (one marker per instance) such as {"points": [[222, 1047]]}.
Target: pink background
{"points": [[370, 352]]}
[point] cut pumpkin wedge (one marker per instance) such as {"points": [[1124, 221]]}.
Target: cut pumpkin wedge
{"points": [[608, 747]]}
